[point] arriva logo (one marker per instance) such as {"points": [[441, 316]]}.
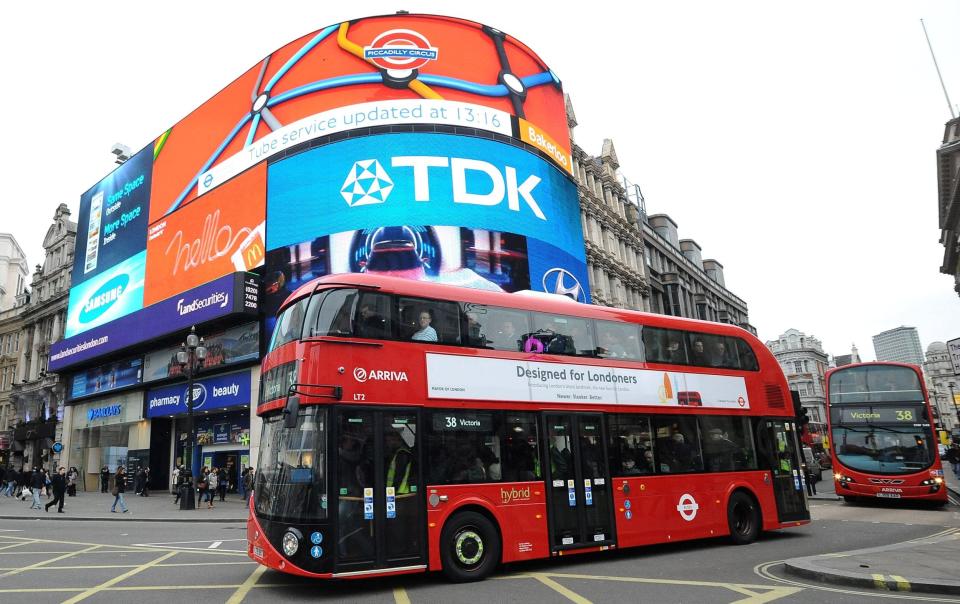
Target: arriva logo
{"points": [[104, 298], [368, 183], [379, 375]]}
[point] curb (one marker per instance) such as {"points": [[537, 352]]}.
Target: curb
{"points": [[120, 518], [808, 568]]}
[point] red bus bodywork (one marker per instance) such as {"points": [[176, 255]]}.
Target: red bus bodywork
{"points": [[923, 485], [520, 509]]}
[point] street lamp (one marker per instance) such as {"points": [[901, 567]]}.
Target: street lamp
{"points": [[190, 352]]}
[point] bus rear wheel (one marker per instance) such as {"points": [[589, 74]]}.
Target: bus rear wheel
{"points": [[469, 547], [743, 518]]}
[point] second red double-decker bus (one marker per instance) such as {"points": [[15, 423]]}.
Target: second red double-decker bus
{"points": [[883, 440], [410, 426]]}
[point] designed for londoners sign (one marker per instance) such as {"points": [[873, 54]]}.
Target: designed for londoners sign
{"points": [[224, 296], [217, 392], [460, 377]]}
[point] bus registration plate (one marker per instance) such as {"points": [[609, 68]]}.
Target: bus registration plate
{"points": [[889, 495], [258, 551]]}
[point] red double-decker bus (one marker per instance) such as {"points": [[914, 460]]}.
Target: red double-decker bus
{"points": [[883, 440], [411, 427]]}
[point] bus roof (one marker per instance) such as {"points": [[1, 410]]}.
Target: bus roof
{"points": [[425, 289]]}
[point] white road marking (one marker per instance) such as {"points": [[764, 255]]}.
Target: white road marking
{"points": [[215, 545]]}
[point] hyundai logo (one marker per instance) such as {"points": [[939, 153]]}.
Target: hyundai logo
{"points": [[561, 281]]}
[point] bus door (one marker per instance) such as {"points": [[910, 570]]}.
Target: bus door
{"points": [[580, 503], [378, 491], [778, 442]]}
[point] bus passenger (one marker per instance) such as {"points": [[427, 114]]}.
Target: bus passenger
{"points": [[426, 332], [507, 336], [474, 335]]}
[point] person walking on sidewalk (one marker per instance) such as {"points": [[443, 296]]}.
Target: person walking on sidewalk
{"points": [[184, 482], [36, 485], [953, 456], [59, 486], [119, 487], [222, 483], [72, 476], [104, 479], [213, 482]]}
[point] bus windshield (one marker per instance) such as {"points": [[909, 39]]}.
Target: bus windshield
{"points": [[884, 448], [291, 470]]}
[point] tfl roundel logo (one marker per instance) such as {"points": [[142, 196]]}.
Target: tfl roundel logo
{"points": [[400, 50]]}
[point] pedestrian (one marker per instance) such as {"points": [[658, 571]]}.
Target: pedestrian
{"points": [[247, 483], [72, 476], [138, 480], [119, 487], [222, 483], [9, 481], [104, 479], [201, 485], [46, 483], [812, 469], [953, 456], [184, 483], [58, 484], [175, 482], [212, 484], [36, 485]]}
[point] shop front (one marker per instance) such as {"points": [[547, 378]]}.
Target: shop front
{"points": [[107, 431], [221, 415]]}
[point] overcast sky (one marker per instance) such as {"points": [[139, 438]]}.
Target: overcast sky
{"points": [[794, 142]]}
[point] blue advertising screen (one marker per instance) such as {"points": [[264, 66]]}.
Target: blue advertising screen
{"points": [[433, 207], [112, 225], [107, 377], [212, 393], [110, 295]]}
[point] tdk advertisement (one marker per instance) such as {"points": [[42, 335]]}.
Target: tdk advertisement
{"points": [[112, 225]]}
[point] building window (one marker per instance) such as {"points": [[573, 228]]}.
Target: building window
{"points": [[798, 367]]}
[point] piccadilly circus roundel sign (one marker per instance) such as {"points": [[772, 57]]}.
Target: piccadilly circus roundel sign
{"points": [[400, 50]]}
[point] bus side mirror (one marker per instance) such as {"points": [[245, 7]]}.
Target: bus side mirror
{"points": [[291, 410]]}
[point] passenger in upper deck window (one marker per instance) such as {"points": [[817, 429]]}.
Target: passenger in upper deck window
{"points": [[426, 332], [474, 335], [507, 336], [697, 355], [675, 351]]}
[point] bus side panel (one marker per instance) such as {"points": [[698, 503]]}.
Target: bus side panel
{"points": [[519, 510], [674, 508]]}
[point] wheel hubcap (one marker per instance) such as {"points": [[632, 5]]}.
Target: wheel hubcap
{"points": [[744, 516], [468, 547]]}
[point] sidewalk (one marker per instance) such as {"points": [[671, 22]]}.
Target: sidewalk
{"points": [[926, 565], [158, 507], [952, 482], [825, 488]]}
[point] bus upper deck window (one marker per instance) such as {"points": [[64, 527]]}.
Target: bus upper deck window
{"points": [[335, 312]]}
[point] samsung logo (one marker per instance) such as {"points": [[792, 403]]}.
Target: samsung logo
{"points": [[104, 298]]}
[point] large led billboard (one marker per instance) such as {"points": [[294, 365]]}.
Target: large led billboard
{"points": [[437, 207], [416, 145], [377, 71]]}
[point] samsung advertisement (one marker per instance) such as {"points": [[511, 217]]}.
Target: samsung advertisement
{"points": [[112, 224]]}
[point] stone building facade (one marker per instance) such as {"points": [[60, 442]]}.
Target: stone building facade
{"points": [[37, 395], [805, 364], [943, 385], [948, 188], [636, 261]]}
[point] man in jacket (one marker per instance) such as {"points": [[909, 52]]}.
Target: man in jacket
{"points": [[59, 485], [37, 482]]}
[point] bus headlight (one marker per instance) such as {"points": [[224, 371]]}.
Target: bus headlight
{"points": [[291, 542]]}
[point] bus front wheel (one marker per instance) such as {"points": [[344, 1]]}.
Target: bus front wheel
{"points": [[743, 517], [469, 547]]}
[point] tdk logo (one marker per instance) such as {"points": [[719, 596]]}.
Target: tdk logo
{"points": [[368, 183], [105, 297]]}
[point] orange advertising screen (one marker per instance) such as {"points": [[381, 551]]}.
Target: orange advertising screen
{"points": [[377, 71], [219, 234]]}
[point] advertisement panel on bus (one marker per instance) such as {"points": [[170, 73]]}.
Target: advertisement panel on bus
{"points": [[358, 74], [432, 207]]}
